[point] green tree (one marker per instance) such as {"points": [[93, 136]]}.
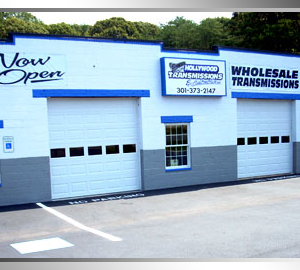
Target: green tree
{"points": [[147, 31], [118, 27], [115, 27], [24, 16], [13, 24], [179, 33], [276, 31], [186, 34], [82, 29], [213, 31], [62, 29]]}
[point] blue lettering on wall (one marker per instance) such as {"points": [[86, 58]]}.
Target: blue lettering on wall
{"points": [[264, 77]]}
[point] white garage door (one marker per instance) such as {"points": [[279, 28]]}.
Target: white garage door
{"points": [[94, 146], [264, 137]]}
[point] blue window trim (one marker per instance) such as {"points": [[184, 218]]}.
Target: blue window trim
{"points": [[178, 169], [265, 95], [1, 124], [177, 119], [45, 93]]}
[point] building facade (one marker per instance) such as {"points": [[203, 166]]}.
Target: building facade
{"points": [[84, 117]]}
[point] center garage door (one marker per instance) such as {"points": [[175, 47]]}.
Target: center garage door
{"points": [[264, 137], [94, 146]]}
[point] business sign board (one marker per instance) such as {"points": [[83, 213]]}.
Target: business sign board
{"points": [[262, 78], [193, 77], [24, 69]]}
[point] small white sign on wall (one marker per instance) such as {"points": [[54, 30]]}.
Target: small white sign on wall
{"points": [[8, 144]]}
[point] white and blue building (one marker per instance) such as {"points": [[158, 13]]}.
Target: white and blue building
{"points": [[85, 116]]}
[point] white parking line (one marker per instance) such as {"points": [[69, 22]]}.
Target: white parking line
{"points": [[41, 245], [79, 225]]}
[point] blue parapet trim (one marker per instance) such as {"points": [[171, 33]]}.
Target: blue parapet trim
{"points": [[254, 51], [45, 93], [14, 36], [177, 119], [1, 124], [178, 169], [215, 51], [264, 95]]}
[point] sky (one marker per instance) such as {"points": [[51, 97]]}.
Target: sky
{"points": [[91, 18]]}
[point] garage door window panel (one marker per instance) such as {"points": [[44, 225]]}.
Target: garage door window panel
{"points": [[241, 141], [94, 150], [274, 139], [263, 140], [58, 153], [129, 148], [285, 139], [252, 141], [112, 149], [76, 152]]}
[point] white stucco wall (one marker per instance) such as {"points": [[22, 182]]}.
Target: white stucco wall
{"points": [[94, 64]]}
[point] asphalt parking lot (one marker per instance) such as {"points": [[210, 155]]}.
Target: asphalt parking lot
{"points": [[254, 220]]}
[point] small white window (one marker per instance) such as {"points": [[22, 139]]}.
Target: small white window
{"points": [[177, 146]]}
